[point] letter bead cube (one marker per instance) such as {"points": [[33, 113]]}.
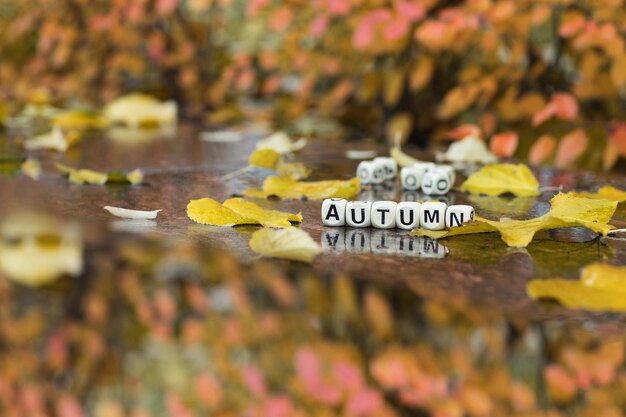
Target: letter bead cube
{"points": [[448, 169], [371, 172], [432, 215], [436, 182], [411, 178], [358, 213], [459, 214], [384, 214], [390, 166], [334, 212], [408, 215]]}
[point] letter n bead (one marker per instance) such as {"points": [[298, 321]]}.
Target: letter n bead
{"points": [[334, 212], [408, 215], [459, 214], [432, 215], [384, 214], [358, 213]]}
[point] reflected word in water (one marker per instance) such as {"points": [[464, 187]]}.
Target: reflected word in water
{"points": [[380, 242]]}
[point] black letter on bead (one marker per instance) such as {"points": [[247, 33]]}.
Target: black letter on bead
{"points": [[353, 213], [332, 242], [431, 216], [455, 221], [402, 244], [445, 184], [353, 240], [431, 245], [332, 212], [402, 217], [382, 215]]}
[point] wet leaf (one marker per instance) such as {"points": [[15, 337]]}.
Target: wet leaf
{"points": [[209, 211], [567, 210], [53, 140], [294, 170], [292, 243], [281, 143], [132, 214], [268, 218], [264, 158], [601, 287], [79, 120], [498, 179], [135, 176], [141, 111], [284, 187], [608, 192], [469, 150], [32, 168]]}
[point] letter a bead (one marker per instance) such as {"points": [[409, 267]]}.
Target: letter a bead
{"points": [[358, 213], [459, 214], [334, 212], [432, 215], [384, 214], [408, 215]]}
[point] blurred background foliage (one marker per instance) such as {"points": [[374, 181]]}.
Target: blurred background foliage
{"points": [[541, 78]]}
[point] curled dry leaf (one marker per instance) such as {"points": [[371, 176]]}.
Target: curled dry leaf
{"points": [[567, 210], [141, 111], [607, 192], [237, 211], [292, 243], [281, 143], [264, 158], [469, 150], [53, 140], [32, 168], [132, 214], [602, 287], [402, 158], [498, 179], [285, 187]]}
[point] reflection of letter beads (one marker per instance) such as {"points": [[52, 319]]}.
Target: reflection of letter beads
{"points": [[407, 215], [431, 178]]}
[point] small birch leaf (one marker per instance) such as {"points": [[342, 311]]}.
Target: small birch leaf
{"points": [[208, 211], [607, 192], [284, 187], [402, 158], [292, 243], [281, 143], [267, 218], [264, 158], [498, 179]]}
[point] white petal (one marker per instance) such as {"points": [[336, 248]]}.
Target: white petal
{"points": [[132, 214]]}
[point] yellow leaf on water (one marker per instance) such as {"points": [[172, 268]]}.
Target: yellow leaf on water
{"points": [[284, 187], [88, 176], [292, 243], [607, 192], [567, 210], [268, 218], [498, 179], [294, 170], [402, 158], [209, 211], [79, 120], [264, 158], [601, 287]]}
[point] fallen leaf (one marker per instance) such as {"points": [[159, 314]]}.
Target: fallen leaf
{"points": [[284, 187], [498, 179], [267, 218], [209, 211], [571, 147], [607, 192], [32, 168], [132, 214], [264, 158], [54, 140], [281, 143], [601, 287], [464, 131], [294, 170], [402, 158], [292, 243], [87, 176], [567, 210], [79, 120], [469, 150], [542, 149], [135, 176], [141, 111], [504, 144]]}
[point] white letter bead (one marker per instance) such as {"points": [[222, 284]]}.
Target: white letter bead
{"points": [[390, 166], [365, 171], [459, 214], [384, 214], [432, 215], [408, 215], [426, 166], [449, 170], [436, 182], [378, 174], [334, 212], [411, 177], [358, 213]]}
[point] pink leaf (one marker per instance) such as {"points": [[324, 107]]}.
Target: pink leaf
{"points": [[254, 380], [166, 7], [566, 106], [617, 136], [208, 390], [308, 366], [366, 402], [348, 375], [254, 6], [504, 144], [363, 35], [319, 26], [280, 19], [397, 29], [571, 147], [544, 114], [67, 406], [279, 406], [410, 10], [338, 7], [463, 131], [327, 395], [542, 149]]}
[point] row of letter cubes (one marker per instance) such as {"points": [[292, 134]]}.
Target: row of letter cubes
{"points": [[433, 179], [432, 215]]}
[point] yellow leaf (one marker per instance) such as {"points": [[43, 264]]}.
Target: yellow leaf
{"points": [[607, 192], [264, 158], [54, 140], [209, 211], [267, 218], [4, 113], [135, 177], [281, 143], [294, 170], [79, 120], [498, 179], [402, 158], [601, 287], [87, 176], [567, 210], [141, 111], [284, 187], [292, 243], [32, 168]]}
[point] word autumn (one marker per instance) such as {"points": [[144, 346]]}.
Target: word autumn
{"points": [[431, 178], [432, 215]]}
